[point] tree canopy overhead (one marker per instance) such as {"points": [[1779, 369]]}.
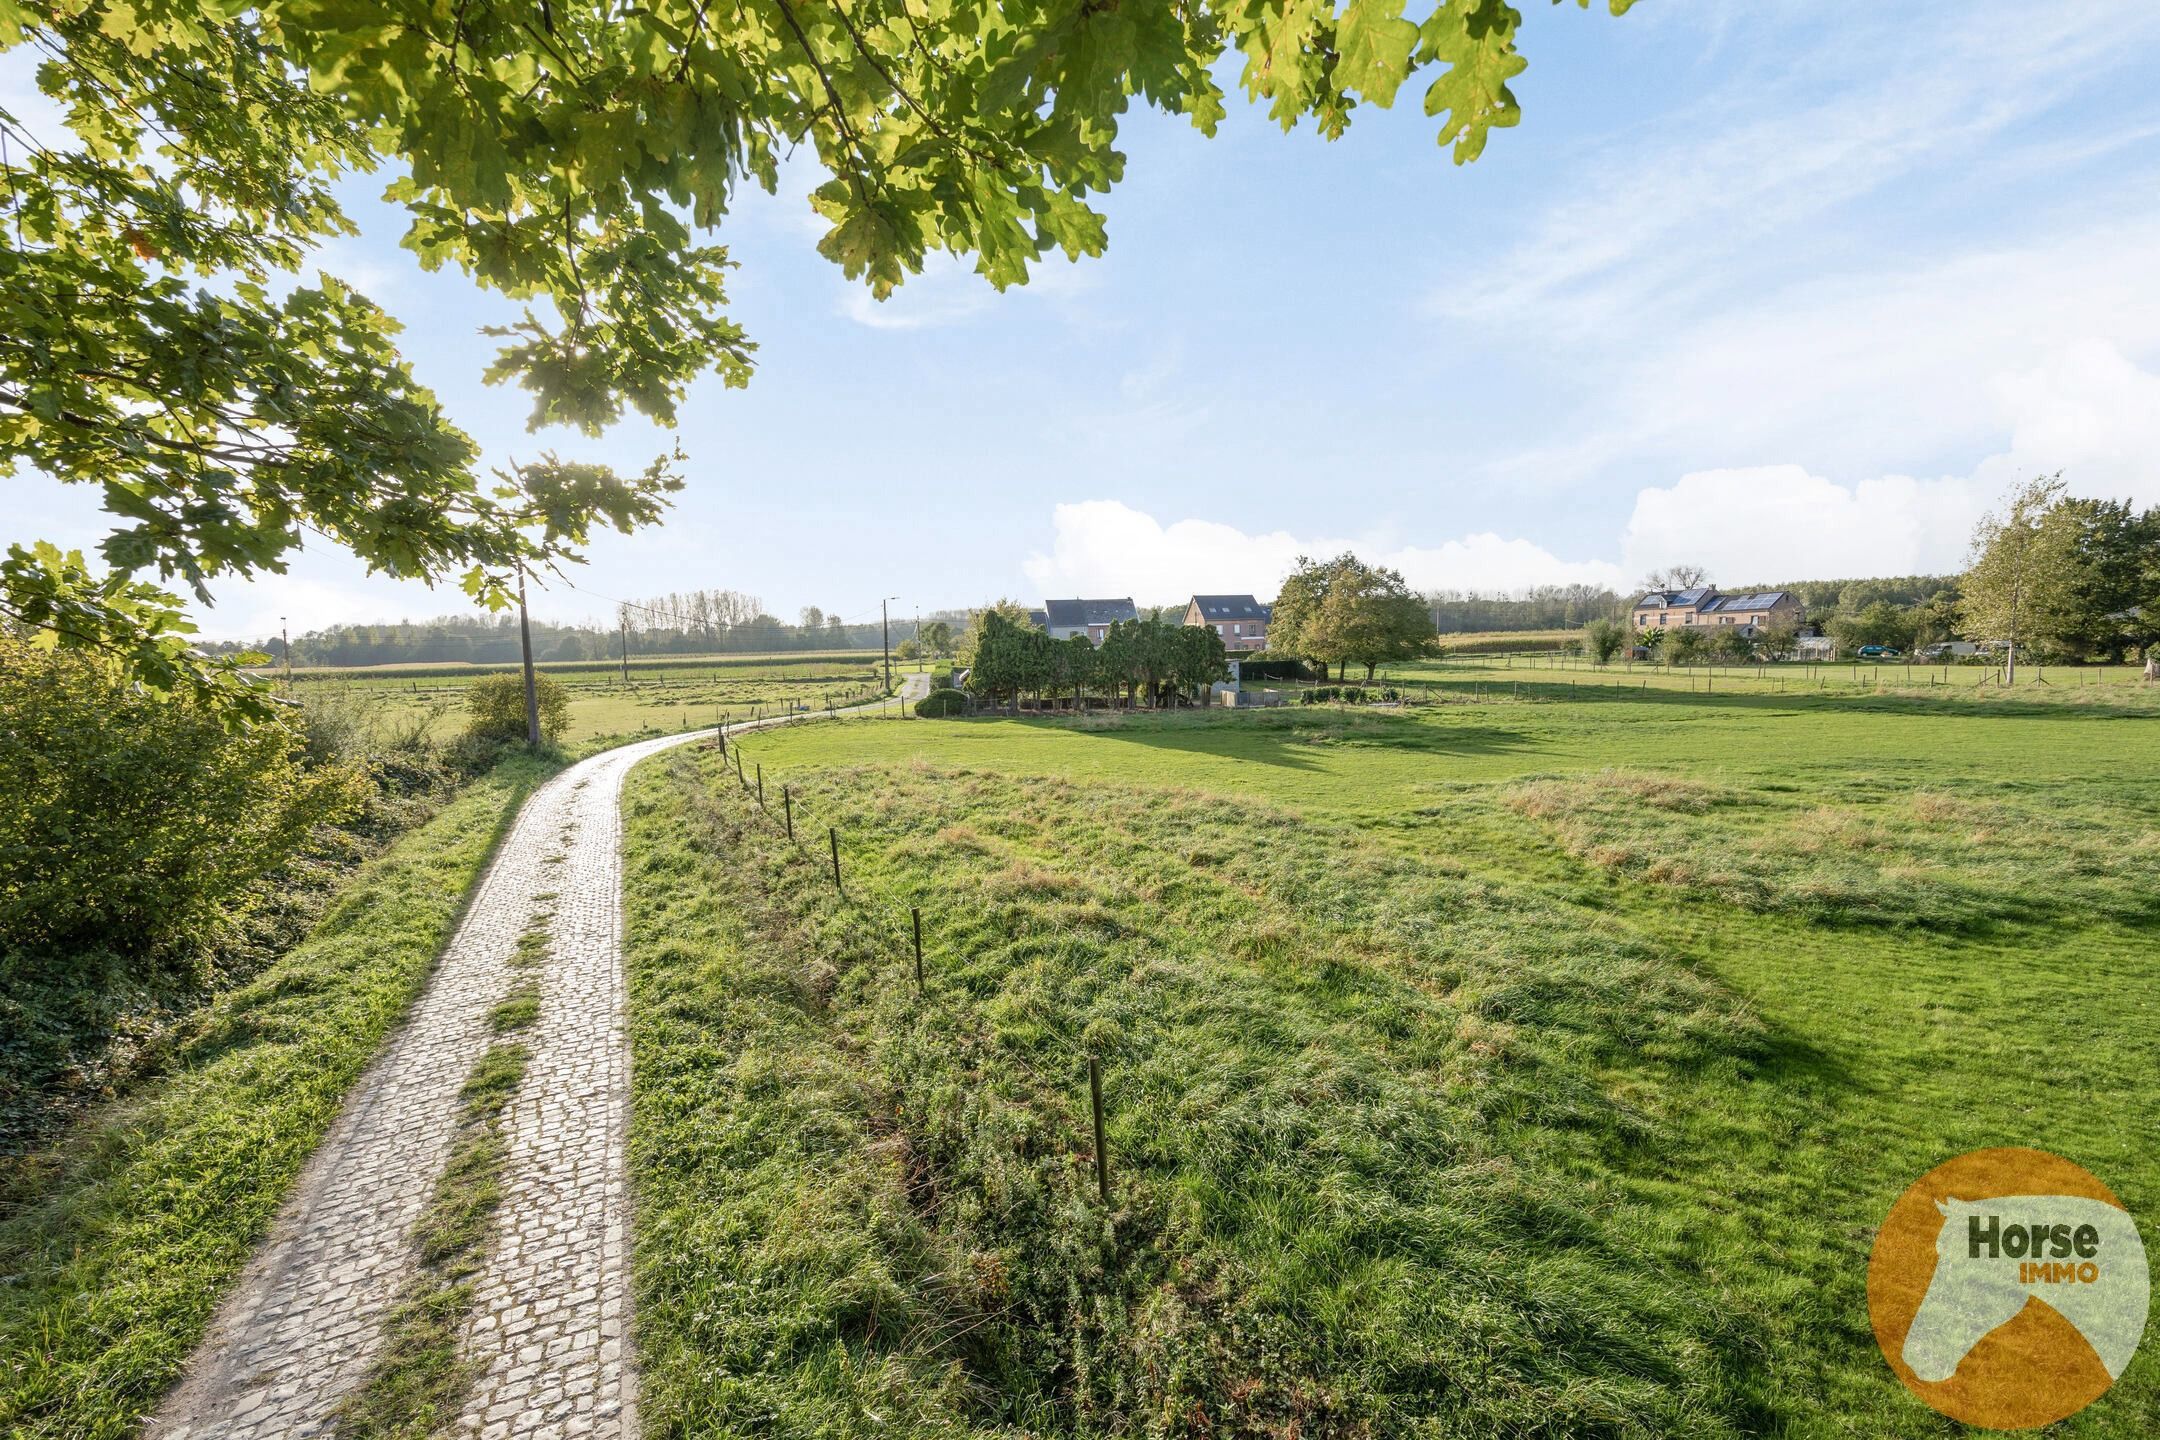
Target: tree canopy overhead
{"points": [[159, 336]]}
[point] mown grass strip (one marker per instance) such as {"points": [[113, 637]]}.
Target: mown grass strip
{"points": [[116, 1253], [419, 1382]]}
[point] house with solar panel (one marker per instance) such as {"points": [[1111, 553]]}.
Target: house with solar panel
{"points": [[1706, 607], [1241, 620], [1064, 619]]}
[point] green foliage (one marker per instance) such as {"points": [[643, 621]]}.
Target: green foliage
{"points": [[1731, 643], [1879, 624], [942, 703], [1603, 638], [135, 827], [1541, 607], [2018, 590], [1150, 658], [1684, 645], [1343, 611], [157, 347], [496, 704]]}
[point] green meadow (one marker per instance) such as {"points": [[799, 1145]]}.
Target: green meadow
{"points": [[661, 695], [1538, 1062]]}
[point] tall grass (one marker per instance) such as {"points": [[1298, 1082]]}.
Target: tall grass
{"points": [[1357, 1107]]}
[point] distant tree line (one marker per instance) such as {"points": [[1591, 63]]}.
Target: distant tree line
{"points": [[1542, 607], [696, 622]]}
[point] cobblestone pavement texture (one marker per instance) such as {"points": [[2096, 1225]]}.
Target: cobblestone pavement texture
{"points": [[549, 1336]]}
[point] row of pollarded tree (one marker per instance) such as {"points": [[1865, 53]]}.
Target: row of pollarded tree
{"points": [[1147, 661]]}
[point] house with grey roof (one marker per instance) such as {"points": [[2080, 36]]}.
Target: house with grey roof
{"points": [[1064, 619], [1705, 605], [1241, 620]]}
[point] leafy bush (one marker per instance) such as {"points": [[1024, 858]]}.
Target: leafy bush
{"points": [[941, 704], [130, 823], [1603, 638], [497, 703]]}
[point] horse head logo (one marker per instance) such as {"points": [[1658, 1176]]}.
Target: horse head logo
{"points": [[2079, 1256]]}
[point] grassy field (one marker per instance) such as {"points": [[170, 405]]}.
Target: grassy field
{"points": [[116, 1247], [665, 694], [1508, 1066], [1547, 675]]}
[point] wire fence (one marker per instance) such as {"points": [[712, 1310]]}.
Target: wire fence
{"points": [[895, 925]]}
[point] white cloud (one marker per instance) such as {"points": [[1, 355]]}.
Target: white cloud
{"points": [[1104, 547], [1778, 522]]}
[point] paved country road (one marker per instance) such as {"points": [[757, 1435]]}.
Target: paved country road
{"points": [[549, 1338]]}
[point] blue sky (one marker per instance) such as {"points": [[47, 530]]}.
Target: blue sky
{"points": [[1784, 289]]}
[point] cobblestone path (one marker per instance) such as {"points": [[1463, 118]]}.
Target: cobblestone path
{"points": [[549, 1335]]}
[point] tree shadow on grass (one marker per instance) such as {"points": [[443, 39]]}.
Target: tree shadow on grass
{"points": [[1601, 690], [1293, 739]]}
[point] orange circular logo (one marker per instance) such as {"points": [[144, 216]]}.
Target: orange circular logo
{"points": [[2008, 1288]]}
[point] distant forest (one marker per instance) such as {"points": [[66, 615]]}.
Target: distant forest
{"points": [[1546, 607], [700, 622], [711, 622]]}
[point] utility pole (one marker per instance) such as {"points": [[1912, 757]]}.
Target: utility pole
{"points": [[920, 662], [285, 638], [885, 626], [532, 686], [623, 616]]}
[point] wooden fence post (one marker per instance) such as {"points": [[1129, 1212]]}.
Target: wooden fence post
{"points": [[1102, 1146], [787, 803], [761, 783], [915, 913]]}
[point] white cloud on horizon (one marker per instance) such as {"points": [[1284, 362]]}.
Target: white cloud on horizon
{"points": [[1105, 547], [2084, 409]]}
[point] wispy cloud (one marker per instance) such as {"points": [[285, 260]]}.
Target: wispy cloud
{"points": [[949, 292], [1679, 211]]}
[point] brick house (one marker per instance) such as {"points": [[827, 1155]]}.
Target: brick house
{"points": [[1240, 620], [1092, 618], [1705, 607]]}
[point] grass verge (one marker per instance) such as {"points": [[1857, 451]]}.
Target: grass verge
{"points": [[116, 1247]]}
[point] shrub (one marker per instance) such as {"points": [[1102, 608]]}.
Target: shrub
{"points": [[497, 703], [1603, 638], [941, 704], [130, 823]]}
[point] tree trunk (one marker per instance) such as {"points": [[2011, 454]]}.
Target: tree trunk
{"points": [[532, 686]]}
